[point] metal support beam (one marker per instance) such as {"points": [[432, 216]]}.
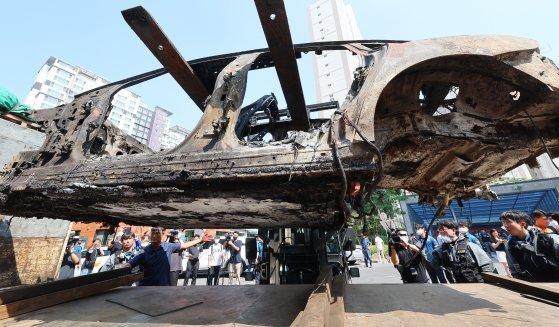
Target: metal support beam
{"points": [[276, 29], [163, 49]]}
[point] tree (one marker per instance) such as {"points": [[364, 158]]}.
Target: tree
{"points": [[379, 200]]}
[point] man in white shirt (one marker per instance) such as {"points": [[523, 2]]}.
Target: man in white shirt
{"points": [[215, 261], [379, 243]]}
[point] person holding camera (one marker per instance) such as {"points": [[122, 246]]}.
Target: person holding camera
{"points": [[156, 258], [125, 253], [464, 261], [91, 255], [406, 258], [533, 254], [234, 245], [70, 260]]}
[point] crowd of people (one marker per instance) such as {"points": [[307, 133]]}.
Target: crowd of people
{"points": [[159, 254], [525, 247]]}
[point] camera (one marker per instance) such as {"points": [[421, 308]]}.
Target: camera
{"points": [[394, 237], [173, 236]]}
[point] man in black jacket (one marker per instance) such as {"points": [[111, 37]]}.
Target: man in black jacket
{"points": [[406, 258], [533, 256]]}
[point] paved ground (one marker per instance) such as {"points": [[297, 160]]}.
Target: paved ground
{"points": [[443, 305], [380, 273]]}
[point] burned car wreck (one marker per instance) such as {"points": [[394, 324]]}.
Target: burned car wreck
{"points": [[440, 117]]}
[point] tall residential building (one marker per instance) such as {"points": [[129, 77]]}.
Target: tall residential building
{"points": [[333, 20], [173, 136], [57, 82], [160, 124], [545, 169]]}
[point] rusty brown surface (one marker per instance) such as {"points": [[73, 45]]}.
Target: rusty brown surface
{"points": [[448, 115], [163, 49]]}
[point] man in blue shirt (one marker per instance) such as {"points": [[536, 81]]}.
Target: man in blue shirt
{"points": [[156, 258], [430, 245], [365, 244], [464, 230]]}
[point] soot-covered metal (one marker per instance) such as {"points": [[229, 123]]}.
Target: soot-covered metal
{"points": [[447, 114]]}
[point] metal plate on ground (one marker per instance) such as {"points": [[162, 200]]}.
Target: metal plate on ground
{"points": [[153, 301], [247, 305]]}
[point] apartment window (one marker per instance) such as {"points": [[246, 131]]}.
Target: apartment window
{"points": [[61, 80], [55, 93], [57, 87], [79, 82], [50, 99], [65, 65], [64, 74]]}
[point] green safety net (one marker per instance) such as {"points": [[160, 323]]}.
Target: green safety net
{"points": [[10, 103]]}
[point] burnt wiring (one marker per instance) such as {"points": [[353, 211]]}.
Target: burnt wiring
{"points": [[375, 149], [541, 138], [335, 150], [336, 155]]}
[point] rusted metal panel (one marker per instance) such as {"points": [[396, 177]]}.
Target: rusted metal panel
{"points": [[276, 28], [439, 147], [163, 49]]}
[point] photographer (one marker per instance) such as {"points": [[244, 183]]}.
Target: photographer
{"points": [[463, 260], [234, 245], [91, 255], [70, 259], [125, 253], [533, 255], [403, 254]]}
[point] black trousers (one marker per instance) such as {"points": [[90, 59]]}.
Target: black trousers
{"points": [[213, 275], [191, 271], [174, 277]]}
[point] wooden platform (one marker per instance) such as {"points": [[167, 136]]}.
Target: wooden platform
{"points": [[253, 305], [444, 305]]}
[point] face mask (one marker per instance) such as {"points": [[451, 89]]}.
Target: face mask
{"points": [[216, 241], [405, 239], [462, 230], [446, 239]]}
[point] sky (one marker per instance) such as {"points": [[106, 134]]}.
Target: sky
{"points": [[93, 35]]}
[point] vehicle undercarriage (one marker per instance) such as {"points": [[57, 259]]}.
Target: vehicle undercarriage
{"points": [[440, 117]]}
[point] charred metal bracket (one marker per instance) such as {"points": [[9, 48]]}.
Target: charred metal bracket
{"points": [[216, 128], [276, 28], [163, 49], [79, 130]]}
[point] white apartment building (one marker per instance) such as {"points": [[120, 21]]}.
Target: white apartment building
{"points": [[173, 136], [57, 82], [333, 20]]}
